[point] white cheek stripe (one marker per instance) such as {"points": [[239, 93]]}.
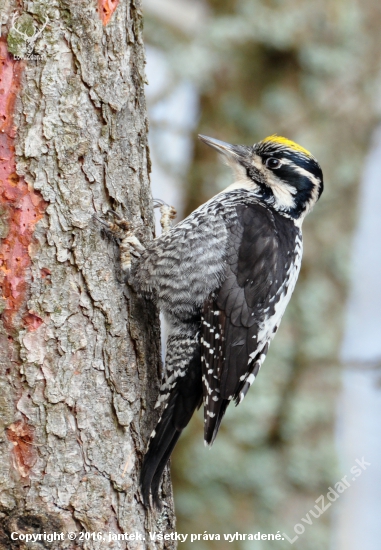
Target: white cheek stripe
{"points": [[283, 192], [313, 179]]}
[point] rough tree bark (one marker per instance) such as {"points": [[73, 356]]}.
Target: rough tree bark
{"points": [[80, 352]]}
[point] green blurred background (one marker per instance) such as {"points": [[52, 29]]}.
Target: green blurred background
{"points": [[308, 70]]}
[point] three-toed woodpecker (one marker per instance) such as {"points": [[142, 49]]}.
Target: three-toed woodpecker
{"points": [[223, 278]]}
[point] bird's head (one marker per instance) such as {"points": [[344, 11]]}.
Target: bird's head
{"points": [[280, 172]]}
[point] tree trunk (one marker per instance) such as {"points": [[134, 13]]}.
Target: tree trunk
{"points": [[80, 352]]}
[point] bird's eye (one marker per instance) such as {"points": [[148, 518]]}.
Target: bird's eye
{"points": [[272, 163]]}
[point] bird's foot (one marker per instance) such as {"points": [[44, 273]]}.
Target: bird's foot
{"points": [[168, 214], [124, 234]]}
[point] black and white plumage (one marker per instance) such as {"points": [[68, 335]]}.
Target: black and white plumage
{"points": [[223, 278]]}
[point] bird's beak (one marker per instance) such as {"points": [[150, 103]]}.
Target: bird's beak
{"points": [[224, 148]]}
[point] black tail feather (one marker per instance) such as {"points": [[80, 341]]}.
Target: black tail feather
{"points": [[186, 396], [213, 424], [159, 451], [160, 469]]}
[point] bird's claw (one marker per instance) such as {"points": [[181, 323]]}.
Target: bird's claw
{"points": [[129, 244], [168, 214]]}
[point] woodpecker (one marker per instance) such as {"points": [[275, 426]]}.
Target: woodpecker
{"points": [[223, 278]]}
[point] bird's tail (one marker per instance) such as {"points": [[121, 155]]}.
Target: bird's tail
{"points": [[212, 423], [185, 397]]}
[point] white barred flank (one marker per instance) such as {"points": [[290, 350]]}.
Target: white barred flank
{"points": [[181, 345]]}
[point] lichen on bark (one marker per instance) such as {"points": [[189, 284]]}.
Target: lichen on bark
{"points": [[81, 355]]}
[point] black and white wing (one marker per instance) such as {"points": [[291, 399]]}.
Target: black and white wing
{"points": [[240, 318]]}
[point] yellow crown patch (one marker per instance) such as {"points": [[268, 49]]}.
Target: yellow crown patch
{"points": [[287, 143]]}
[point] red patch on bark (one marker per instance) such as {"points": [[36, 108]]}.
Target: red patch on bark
{"points": [[32, 321], [45, 272], [20, 207], [24, 453], [106, 8]]}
